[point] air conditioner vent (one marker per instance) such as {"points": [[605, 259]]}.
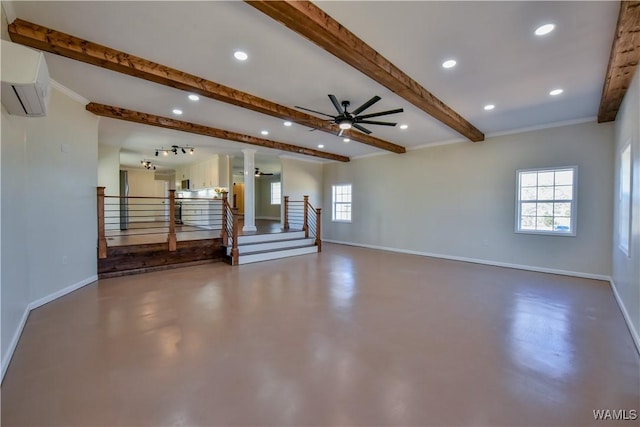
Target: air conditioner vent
{"points": [[25, 80]]}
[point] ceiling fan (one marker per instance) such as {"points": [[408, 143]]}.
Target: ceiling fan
{"points": [[346, 120], [258, 173]]}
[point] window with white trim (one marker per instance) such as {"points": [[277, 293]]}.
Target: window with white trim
{"points": [[341, 203], [546, 201], [276, 193], [624, 200]]}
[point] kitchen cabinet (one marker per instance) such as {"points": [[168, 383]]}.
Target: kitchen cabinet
{"points": [[202, 213], [201, 175]]}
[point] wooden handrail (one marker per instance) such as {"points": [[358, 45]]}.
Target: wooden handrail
{"points": [[172, 221], [137, 197], [223, 232], [305, 225], [102, 240], [318, 231], [308, 220], [235, 255], [286, 212]]}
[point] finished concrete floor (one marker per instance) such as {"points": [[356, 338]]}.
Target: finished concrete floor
{"points": [[350, 336]]}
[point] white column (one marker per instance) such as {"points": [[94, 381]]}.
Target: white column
{"points": [[249, 191]]}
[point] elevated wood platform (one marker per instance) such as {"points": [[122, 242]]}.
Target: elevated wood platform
{"points": [[142, 258]]}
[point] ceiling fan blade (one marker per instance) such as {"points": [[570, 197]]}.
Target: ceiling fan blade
{"points": [[314, 111], [373, 122], [366, 105], [336, 104], [361, 129], [382, 113]]}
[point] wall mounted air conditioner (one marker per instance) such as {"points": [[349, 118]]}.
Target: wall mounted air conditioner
{"points": [[25, 80]]}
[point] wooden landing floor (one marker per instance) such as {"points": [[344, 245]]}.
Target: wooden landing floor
{"points": [[156, 232]]}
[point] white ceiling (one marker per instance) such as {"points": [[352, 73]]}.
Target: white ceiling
{"points": [[500, 61]]}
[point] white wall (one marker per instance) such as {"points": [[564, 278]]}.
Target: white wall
{"points": [[300, 178], [109, 169], [458, 200], [109, 178], [49, 209], [626, 269], [142, 183], [14, 275], [264, 208]]}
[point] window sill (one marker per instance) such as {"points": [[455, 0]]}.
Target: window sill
{"points": [[546, 233]]}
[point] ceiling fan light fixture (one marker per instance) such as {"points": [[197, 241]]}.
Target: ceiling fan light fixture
{"points": [[450, 63], [344, 125], [544, 29], [240, 55]]}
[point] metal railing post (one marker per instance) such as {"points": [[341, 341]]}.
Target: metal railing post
{"points": [[318, 239], [286, 212], [172, 221], [305, 225], [102, 240]]}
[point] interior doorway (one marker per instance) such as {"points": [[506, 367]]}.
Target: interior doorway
{"points": [[238, 196]]}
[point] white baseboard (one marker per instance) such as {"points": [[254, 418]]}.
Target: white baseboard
{"points": [[478, 261], [33, 305], [62, 292], [14, 342], [625, 314]]}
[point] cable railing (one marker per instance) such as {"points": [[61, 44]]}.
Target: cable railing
{"points": [[301, 215], [230, 228], [124, 220]]}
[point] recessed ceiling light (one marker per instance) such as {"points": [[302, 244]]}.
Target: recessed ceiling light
{"points": [[489, 107], [287, 124], [403, 127], [320, 145], [450, 63], [194, 97], [264, 132], [240, 55], [556, 92], [177, 111], [544, 29], [346, 140]]}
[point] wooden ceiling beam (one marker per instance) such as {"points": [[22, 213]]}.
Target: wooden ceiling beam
{"points": [[310, 21], [623, 61], [179, 125], [66, 45]]}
